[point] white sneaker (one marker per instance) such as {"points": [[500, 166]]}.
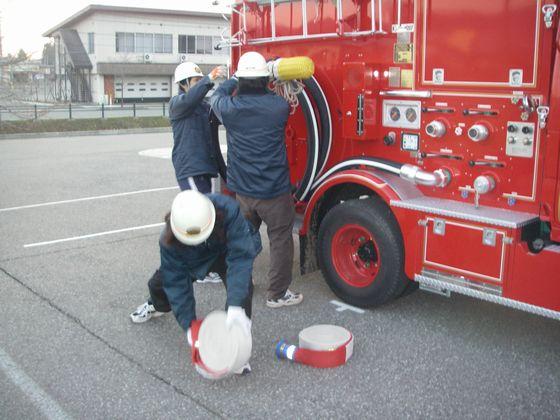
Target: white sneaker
{"points": [[210, 278], [290, 298], [244, 370], [144, 313]]}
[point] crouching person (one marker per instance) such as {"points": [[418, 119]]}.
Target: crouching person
{"points": [[208, 233]]}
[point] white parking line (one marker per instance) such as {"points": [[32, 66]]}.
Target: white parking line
{"points": [[93, 235], [43, 401], [344, 306], [97, 197]]}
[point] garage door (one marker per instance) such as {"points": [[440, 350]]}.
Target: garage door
{"points": [[142, 88]]}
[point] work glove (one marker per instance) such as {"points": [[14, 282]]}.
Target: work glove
{"points": [[236, 315], [189, 337], [217, 73]]}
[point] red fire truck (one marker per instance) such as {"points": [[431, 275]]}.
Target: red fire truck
{"points": [[425, 149]]}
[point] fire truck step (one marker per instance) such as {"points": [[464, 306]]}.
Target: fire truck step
{"points": [[439, 282], [438, 290]]}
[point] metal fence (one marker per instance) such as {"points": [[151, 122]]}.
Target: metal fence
{"points": [[74, 111]]}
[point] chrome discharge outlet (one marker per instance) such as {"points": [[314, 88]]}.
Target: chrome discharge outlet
{"points": [[478, 132], [439, 178], [436, 129]]}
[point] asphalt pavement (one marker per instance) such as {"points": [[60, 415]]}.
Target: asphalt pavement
{"points": [[79, 222]]}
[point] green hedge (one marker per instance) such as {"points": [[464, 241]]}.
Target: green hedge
{"points": [[86, 124]]}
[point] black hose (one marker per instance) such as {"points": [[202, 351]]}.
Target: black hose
{"points": [[324, 120], [312, 145], [215, 140], [348, 164]]}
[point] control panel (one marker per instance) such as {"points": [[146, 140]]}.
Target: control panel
{"points": [[520, 137], [402, 114]]}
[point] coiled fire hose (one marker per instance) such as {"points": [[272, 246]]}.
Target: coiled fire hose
{"points": [[287, 74], [321, 346]]}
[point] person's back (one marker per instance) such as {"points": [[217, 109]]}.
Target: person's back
{"points": [[192, 152], [255, 121]]}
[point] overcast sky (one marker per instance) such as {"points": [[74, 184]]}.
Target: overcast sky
{"points": [[23, 21]]}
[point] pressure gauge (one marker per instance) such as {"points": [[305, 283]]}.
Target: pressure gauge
{"points": [[411, 115], [394, 113], [402, 114]]}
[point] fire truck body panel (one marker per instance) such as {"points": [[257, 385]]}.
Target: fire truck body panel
{"points": [[454, 88]]}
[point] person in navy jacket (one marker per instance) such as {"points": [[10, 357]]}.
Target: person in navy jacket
{"points": [[193, 159], [202, 233]]}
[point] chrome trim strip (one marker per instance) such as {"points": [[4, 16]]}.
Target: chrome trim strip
{"points": [[491, 289], [431, 282], [407, 93]]}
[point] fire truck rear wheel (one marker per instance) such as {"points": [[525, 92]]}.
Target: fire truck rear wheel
{"points": [[361, 253]]}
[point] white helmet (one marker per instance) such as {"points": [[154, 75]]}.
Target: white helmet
{"points": [[252, 65], [186, 71], [192, 217]]}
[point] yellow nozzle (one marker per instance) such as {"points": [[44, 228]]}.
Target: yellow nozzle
{"points": [[294, 68]]}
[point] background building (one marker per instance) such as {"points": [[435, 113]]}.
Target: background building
{"points": [[111, 54]]}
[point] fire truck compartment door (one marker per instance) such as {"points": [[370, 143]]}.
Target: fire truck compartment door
{"points": [[482, 43], [460, 248]]}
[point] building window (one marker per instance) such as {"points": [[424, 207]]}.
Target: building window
{"points": [[191, 44], [182, 44], [91, 44], [124, 42], [144, 43], [187, 44], [168, 44], [158, 43], [204, 45], [163, 43]]}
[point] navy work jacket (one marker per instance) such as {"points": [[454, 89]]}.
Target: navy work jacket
{"points": [[181, 265], [256, 157], [192, 148]]}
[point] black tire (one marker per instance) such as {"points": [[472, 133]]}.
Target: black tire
{"points": [[383, 248]]}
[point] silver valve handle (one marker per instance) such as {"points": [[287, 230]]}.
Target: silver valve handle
{"points": [[548, 10], [542, 112], [483, 184]]}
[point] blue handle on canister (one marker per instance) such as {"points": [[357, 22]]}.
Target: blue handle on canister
{"points": [[285, 350]]}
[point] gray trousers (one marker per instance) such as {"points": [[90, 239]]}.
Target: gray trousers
{"points": [[278, 214]]}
